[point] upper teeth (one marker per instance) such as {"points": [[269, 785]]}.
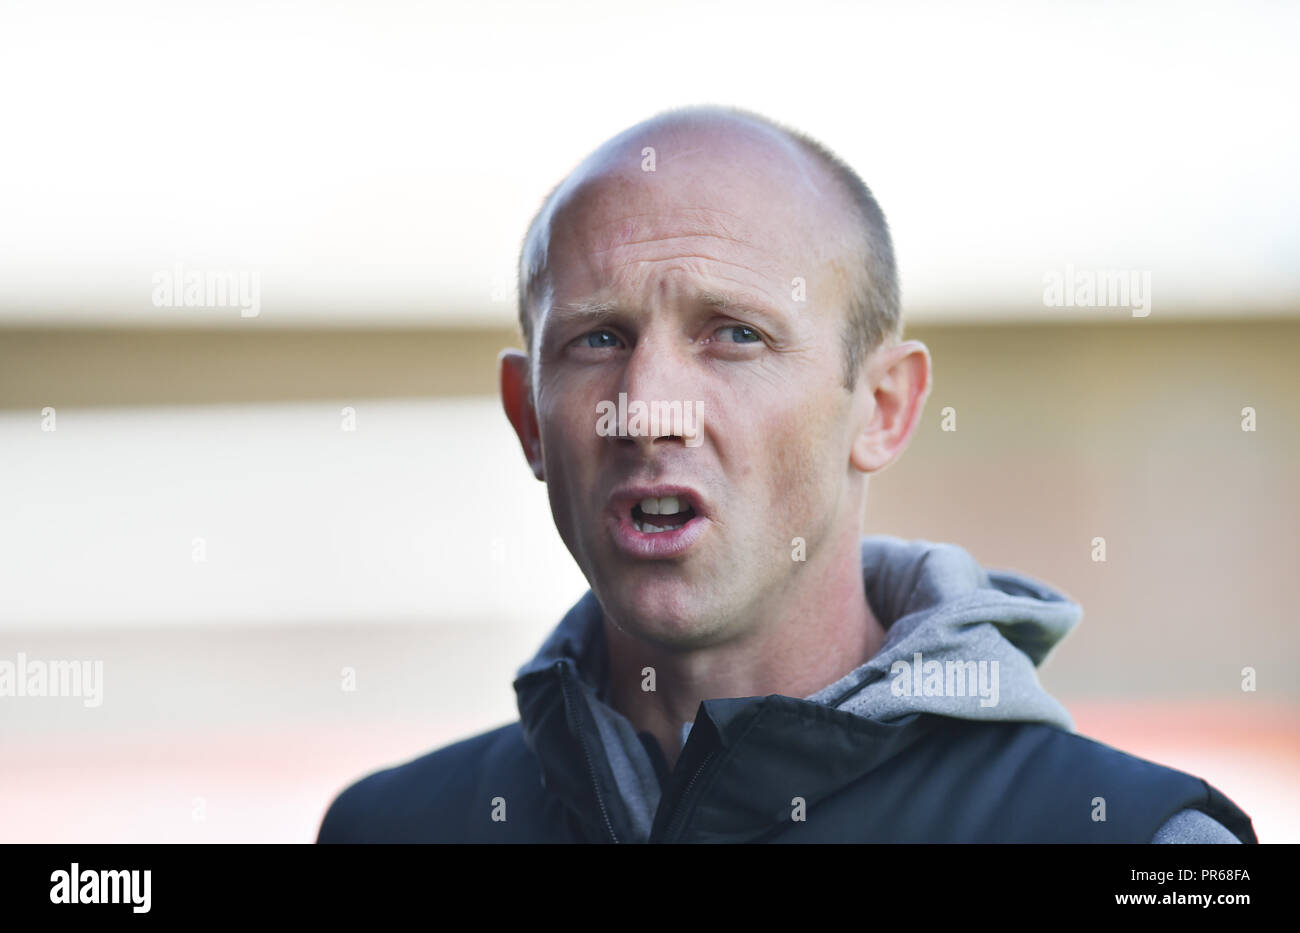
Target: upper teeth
{"points": [[663, 505]]}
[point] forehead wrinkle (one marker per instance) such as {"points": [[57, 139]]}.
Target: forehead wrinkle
{"points": [[760, 252], [700, 221], [668, 237]]}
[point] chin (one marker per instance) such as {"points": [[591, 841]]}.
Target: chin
{"points": [[666, 612]]}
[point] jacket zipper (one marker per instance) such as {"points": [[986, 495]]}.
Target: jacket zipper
{"points": [[679, 813], [586, 751]]}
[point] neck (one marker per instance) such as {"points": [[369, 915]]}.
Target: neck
{"points": [[820, 628]]}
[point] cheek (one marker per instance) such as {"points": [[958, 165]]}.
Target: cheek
{"points": [[802, 453], [568, 432], [567, 455], [570, 451]]}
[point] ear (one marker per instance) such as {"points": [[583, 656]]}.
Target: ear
{"points": [[517, 398], [898, 382]]}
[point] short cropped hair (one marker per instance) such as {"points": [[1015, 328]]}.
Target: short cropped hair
{"points": [[873, 314]]}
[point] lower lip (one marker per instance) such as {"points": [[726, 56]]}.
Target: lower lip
{"points": [[645, 546]]}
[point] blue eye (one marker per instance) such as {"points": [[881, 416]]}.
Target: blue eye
{"points": [[741, 333], [600, 340]]}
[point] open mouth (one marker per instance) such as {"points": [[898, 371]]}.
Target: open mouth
{"points": [[656, 515], [660, 522]]}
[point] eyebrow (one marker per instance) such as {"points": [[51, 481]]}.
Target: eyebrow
{"points": [[572, 310], [720, 302], [732, 306]]}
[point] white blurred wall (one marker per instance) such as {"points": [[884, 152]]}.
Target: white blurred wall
{"points": [[377, 162], [275, 513]]}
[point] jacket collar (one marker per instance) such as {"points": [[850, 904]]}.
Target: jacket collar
{"points": [[931, 598]]}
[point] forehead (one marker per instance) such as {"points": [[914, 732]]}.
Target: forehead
{"points": [[726, 196]]}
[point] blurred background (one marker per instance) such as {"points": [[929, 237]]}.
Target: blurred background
{"points": [[303, 541]]}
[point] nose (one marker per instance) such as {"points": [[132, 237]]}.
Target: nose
{"points": [[658, 383]]}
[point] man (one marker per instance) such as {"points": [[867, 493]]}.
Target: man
{"points": [[746, 666]]}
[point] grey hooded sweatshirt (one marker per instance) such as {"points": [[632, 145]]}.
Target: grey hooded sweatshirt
{"points": [[936, 604]]}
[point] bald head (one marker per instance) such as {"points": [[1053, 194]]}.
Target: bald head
{"points": [[712, 162]]}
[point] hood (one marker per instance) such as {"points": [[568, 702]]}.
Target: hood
{"points": [[951, 625], [961, 641]]}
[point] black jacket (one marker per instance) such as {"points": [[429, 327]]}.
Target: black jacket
{"points": [[857, 762]]}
